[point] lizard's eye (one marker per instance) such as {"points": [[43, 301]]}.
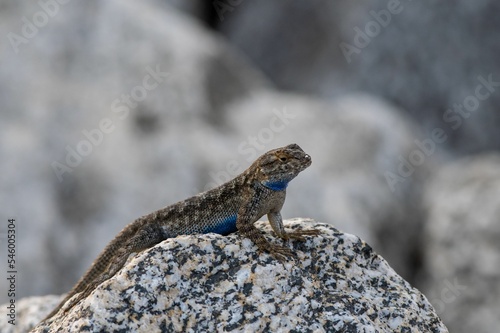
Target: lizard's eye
{"points": [[283, 159]]}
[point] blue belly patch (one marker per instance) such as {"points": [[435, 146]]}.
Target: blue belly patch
{"points": [[224, 227]]}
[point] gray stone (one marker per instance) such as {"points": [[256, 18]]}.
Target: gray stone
{"points": [[196, 8], [216, 283], [462, 252], [424, 56], [27, 313], [432, 60], [296, 56]]}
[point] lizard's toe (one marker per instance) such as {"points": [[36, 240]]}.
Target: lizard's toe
{"points": [[299, 235], [281, 253]]}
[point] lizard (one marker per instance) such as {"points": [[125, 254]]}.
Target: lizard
{"points": [[232, 207]]}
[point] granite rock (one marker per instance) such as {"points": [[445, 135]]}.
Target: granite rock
{"points": [[461, 249], [216, 283]]}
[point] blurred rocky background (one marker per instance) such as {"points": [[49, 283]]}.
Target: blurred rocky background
{"points": [[113, 109]]}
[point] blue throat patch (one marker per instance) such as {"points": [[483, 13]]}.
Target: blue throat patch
{"points": [[277, 185]]}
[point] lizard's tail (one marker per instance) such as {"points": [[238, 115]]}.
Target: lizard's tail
{"points": [[99, 266]]}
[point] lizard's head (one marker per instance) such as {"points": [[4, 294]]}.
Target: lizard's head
{"points": [[279, 166]]}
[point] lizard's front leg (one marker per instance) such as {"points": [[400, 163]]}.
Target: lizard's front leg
{"points": [[277, 224], [280, 252], [247, 214]]}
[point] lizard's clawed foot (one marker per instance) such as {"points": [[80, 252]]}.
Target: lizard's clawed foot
{"points": [[281, 253], [299, 235]]}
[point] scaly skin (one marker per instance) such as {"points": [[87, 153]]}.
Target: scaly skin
{"points": [[233, 206]]}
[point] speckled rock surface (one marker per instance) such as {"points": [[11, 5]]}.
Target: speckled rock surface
{"points": [[216, 283]]}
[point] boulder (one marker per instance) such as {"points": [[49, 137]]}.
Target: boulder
{"points": [[461, 249], [26, 313], [217, 283]]}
